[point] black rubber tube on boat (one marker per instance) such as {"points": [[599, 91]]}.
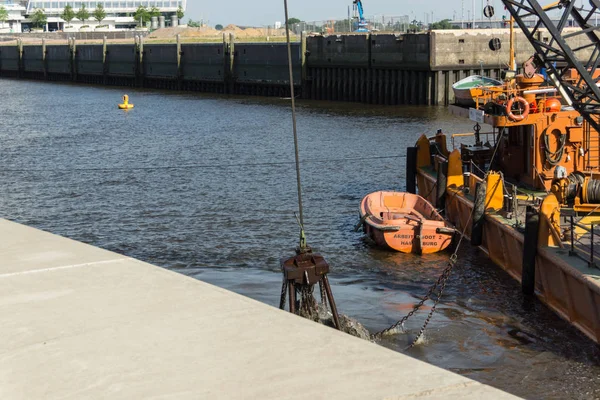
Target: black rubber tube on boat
{"points": [[530, 244], [442, 179], [411, 169], [478, 214]]}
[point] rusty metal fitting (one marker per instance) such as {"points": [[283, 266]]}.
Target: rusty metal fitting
{"points": [[305, 268]]}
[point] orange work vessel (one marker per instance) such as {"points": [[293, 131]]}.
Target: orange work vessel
{"points": [[404, 222]]}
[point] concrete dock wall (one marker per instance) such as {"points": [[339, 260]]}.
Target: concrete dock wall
{"points": [[81, 322], [456, 54], [370, 68]]}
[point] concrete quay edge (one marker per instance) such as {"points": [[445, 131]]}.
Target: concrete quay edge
{"points": [[81, 322]]}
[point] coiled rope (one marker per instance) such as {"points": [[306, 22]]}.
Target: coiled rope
{"points": [[554, 158]]}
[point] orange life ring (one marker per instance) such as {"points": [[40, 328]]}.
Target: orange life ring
{"points": [[524, 105]]}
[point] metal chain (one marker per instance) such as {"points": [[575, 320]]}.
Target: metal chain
{"points": [[445, 276], [308, 305], [283, 294], [442, 279], [323, 295]]}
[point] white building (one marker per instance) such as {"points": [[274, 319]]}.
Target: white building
{"points": [[16, 14], [118, 12]]}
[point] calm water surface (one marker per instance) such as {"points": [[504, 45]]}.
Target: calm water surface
{"points": [[204, 186]]}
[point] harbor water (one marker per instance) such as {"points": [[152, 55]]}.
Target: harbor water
{"points": [[206, 186]]}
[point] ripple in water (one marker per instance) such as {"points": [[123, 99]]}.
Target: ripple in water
{"points": [[228, 218]]}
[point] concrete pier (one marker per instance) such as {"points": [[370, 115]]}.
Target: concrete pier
{"points": [[370, 68], [81, 322]]}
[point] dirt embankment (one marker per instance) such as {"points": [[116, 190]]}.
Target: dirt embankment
{"points": [[208, 32], [169, 35]]}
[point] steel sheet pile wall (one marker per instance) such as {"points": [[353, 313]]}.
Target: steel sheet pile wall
{"points": [[89, 63], [203, 67], [369, 68], [10, 61], [58, 62], [262, 69], [33, 62], [122, 65], [380, 69], [160, 68]]}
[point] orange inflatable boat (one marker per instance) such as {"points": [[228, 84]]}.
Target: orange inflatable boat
{"points": [[404, 222]]}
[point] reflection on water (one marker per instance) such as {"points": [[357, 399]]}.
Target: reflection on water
{"points": [[205, 186]]}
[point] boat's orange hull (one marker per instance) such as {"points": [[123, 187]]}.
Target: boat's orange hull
{"points": [[560, 286], [404, 222]]}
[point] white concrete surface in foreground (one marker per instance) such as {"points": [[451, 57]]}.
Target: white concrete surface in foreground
{"points": [[78, 322]]}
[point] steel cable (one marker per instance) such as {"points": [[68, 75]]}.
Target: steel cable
{"points": [[195, 166]]}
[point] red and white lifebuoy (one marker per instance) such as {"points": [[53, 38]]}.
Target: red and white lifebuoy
{"points": [[524, 106]]}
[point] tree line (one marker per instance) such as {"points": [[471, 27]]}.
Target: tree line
{"points": [[39, 18]]}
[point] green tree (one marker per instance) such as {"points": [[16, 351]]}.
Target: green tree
{"points": [[39, 18], [180, 13], [194, 24], [68, 14], [99, 13], [3, 15], [142, 15], [443, 24], [292, 21], [219, 27], [154, 12], [82, 14], [415, 25]]}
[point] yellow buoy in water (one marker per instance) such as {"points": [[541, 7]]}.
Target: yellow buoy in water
{"points": [[125, 105]]}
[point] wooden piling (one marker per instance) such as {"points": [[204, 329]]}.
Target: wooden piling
{"points": [[73, 60], [303, 66], [179, 68], [141, 72], [20, 52], [231, 63], [44, 59], [104, 63]]}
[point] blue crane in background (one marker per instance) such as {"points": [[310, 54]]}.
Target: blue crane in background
{"points": [[362, 25]]}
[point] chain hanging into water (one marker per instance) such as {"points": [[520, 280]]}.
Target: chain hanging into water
{"points": [[282, 298], [441, 282], [292, 98]]}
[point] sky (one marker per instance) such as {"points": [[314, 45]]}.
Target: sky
{"points": [[267, 12]]}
